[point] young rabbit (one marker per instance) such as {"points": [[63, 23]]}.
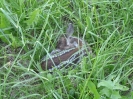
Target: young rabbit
{"points": [[67, 41], [69, 50]]}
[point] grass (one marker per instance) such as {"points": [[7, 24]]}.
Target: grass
{"points": [[29, 29]]}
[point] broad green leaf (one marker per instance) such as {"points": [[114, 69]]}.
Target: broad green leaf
{"points": [[33, 17], [115, 95], [105, 91], [15, 41], [120, 87], [93, 89], [4, 23], [108, 84], [11, 18], [4, 37], [112, 86], [49, 76]]}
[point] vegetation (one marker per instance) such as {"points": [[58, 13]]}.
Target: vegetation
{"points": [[30, 28]]}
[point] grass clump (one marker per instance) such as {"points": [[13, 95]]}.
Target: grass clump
{"points": [[30, 28]]}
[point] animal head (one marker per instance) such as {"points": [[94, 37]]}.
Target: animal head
{"points": [[68, 41]]}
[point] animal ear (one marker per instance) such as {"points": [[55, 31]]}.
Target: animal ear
{"points": [[69, 30]]}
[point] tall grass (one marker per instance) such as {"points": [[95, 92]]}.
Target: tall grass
{"points": [[29, 29]]}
